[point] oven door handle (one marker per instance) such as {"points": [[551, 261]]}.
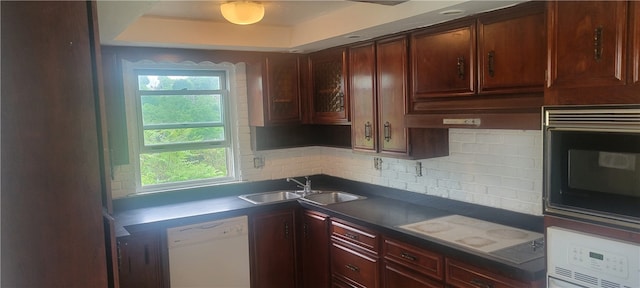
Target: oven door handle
{"points": [[557, 283]]}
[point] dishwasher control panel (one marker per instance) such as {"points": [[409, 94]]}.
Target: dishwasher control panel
{"points": [[207, 231]]}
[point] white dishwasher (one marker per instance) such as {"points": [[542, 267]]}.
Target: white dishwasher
{"points": [[211, 254]]}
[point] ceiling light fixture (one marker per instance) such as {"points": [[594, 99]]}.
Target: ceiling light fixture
{"points": [[242, 12]]}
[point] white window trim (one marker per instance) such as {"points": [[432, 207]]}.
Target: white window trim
{"points": [[130, 87]]}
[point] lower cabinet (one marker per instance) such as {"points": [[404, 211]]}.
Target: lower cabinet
{"points": [[354, 255], [321, 252], [462, 275], [409, 266], [315, 250], [272, 248], [140, 259]]}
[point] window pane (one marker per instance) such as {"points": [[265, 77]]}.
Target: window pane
{"points": [[178, 82], [183, 135], [168, 167], [175, 109]]}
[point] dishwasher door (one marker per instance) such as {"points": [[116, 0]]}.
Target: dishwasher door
{"points": [[211, 254]]}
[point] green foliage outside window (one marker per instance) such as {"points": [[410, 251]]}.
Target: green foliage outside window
{"points": [[190, 111]]}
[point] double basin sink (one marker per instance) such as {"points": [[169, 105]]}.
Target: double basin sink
{"points": [[316, 196]]}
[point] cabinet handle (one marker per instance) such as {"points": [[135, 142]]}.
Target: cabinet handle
{"points": [[387, 131], [460, 66], [286, 230], [367, 131], [480, 283], [146, 254], [491, 59], [597, 44], [408, 256], [351, 236], [305, 228], [353, 268], [341, 95]]}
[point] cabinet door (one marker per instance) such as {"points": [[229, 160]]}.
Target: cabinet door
{"points": [[443, 61], [511, 51], [329, 100], [587, 43], [282, 77], [354, 267], [315, 250], [273, 90], [273, 250], [362, 64], [52, 226], [392, 90], [141, 260], [462, 275]]}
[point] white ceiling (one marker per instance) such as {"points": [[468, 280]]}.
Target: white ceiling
{"points": [[288, 26]]}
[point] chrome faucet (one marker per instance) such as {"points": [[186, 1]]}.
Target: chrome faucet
{"points": [[306, 188]]}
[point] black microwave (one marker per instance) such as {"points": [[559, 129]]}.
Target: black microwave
{"points": [[591, 163]]}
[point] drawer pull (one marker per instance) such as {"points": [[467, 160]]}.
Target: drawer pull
{"points": [[351, 236], [460, 66], [597, 44], [408, 256], [353, 268], [481, 283]]}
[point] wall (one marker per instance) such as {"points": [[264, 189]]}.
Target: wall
{"points": [[497, 168]]}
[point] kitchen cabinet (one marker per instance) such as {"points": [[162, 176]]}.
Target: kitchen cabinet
{"points": [[590, 59], [484, 71], [443, 60], [53, 234], [461, 275], [272, 240], [315, 249], [273, 90], [354, 255], [328, 99], [141, 257], [408, 266], [378, 76], [511, 50]]}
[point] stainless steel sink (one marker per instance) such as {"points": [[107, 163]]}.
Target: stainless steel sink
{"points": [[316, 196], [331, 197], [270, 197]]}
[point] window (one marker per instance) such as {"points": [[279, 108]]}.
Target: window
{"points": [[184, 136]]}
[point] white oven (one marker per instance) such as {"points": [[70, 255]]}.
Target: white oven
{"points": [[579, 260]]}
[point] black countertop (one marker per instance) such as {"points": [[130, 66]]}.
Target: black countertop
{"points": [[383, 213]]}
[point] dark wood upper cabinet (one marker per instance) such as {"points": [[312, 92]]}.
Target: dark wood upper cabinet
{"points": [[511, 51], [362, 71], [443, 60], [483, 71], [378, 74], [594, 52], [273, 90], [391, 68], [587, 43], [329, 98]]}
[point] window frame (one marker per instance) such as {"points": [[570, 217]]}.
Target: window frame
{"points": [[227, 104]]}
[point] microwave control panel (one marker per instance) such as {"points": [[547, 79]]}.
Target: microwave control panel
{"points": [[592, 260]]}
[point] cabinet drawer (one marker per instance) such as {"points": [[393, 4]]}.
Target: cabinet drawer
{"points": [[354, 267], [356, 235], [466, 276], [425, 262], [398, 276]]}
